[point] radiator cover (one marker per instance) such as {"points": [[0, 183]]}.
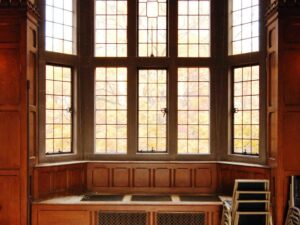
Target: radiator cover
{"points": [[180, 218], [122, 218]]}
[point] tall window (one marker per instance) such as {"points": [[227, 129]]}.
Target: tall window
{"points": [[60, 26], [111, 110], [246, 110], [244, 26], [193, 111], [194, 28], [157, 102], [58, 110], [152, 28], [156, 80], [152, 110], [111, 28]]}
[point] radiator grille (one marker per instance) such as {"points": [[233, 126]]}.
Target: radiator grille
{"points": [[122, 218], [180, 219]]}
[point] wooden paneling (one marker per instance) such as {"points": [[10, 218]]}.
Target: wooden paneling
{"points": [[64, 218], [13, 112], [182, 177], [291, 131], [86, 214], [59, 180], [99, 177], [272, 93], [273, 135], [204, 177], [32, 80], [9, 199], [121, 177], [284, 101], [10, 140], [134, 177], [272, 80], [162, 177], [43, 180], [76, 179], [291, 68], [292, 31], [32, 136], [228, 173], [10, 33], [142, 177], [9, 76]]}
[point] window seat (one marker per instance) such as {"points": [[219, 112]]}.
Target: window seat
{"points": [[71, 210], [129, 200]]}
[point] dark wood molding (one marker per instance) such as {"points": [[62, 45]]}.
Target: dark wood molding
{"points": [[279, 5], [27, 5]]}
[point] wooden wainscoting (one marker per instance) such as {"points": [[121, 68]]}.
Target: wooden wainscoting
{"points": [[88, 214], [228, 173], [157, 177], [142, 177], [51, 181]]}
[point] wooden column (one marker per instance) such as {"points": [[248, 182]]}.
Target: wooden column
{"points": [[283, 102], [18, 29]]}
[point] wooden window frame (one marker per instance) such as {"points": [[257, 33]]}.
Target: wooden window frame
{"points": [[71, 112], [134, 63], [219, 63], [233, 112], [63, 60], [244, 60]]}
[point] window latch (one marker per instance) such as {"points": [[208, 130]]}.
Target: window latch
{"points": [[164, 111], [70, 110], [235, 110]]}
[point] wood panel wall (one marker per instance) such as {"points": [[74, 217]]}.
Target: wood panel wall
{"points": [[14, 66], [283, 57], [152, 177], [87, 214], [53, 181], [228, 173], [141, 177]]}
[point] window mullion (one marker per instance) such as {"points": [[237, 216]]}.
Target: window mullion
{"points": [[172, 26], [132, 91], [132, 115]]}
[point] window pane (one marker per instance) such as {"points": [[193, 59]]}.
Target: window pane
{"points": [[246, 110], [152, 28], [58, 110], [111, 28], [193, 111], [60, 26], [244, 26], [111, 110], [194, 28], [152, 111]]}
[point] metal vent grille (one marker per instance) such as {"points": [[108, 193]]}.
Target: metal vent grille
{"points": [[180, 219], [122, 218]]}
